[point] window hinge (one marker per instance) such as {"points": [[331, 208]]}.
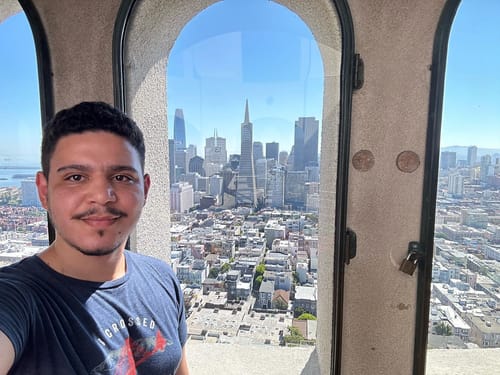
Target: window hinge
{"points": [[350, 245], [359, 72]]}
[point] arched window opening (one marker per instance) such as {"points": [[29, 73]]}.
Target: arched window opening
{"points": [[465, 284], [190, 104], [245, 100], [23, 223]]}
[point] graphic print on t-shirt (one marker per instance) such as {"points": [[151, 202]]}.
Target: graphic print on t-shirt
{"points": [[124, 361]]}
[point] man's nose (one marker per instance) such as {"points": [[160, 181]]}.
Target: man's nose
{"points": [[102, 191]]}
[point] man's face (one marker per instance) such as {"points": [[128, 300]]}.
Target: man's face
{"points": [[95, 191]]}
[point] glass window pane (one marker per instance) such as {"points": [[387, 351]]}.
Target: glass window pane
{"points": [[245, 100], [465, 300], [23, 224]]}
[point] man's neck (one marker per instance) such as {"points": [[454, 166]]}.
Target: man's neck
{"points": [[70, 262]]}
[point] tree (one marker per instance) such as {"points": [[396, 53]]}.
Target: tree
{"points": [[225, 267], [214, 272], [281, 305], [306, 316], [260, 269], [443, 329], [258, 276], [257, 282], [299, 311]]}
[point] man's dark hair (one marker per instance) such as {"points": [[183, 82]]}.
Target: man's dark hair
{"points": [[89, 116]]}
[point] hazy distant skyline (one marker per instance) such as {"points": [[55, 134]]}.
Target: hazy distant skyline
{"points": [[271, 59]]}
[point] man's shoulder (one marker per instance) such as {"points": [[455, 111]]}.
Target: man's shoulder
{"points": [[139, 257], [23, 269], [21, 281], [142, 260]]}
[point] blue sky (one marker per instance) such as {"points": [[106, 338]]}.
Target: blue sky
{"points": [[19, 96], [237, 50], [260, 51], [471, 111]]}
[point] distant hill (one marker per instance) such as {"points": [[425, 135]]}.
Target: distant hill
{"points": [[462, 151]]}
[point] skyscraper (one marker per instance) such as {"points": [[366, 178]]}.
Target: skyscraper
{"points": [[471, 156], [181, 162], [215, 149], [448, 160], [305, 143], [283, 157], [272, 150], [181, 197], [215, 154], [171, 160], [179, 129], [261, 167], [486, 168], [455, 185], [276, 187], [196, 165], [258, 151], [190, 153], [245, 190]]}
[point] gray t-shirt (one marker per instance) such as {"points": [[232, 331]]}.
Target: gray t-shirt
{"points": [[61, 325]]}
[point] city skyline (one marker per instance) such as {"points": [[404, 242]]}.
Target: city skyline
{"points": [[216, 134]]}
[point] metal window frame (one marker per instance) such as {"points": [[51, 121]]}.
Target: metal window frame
{"points": [[346, 90], [431, 169], [45, 82]]}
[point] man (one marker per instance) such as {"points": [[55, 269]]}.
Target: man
{"points": [[85, 305]]}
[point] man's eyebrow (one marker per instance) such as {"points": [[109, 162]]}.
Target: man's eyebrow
{"points": [[123, 168], [85, 168], [79, 167]]}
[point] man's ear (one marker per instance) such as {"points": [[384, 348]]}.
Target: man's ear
{"points": [[147, 184], [42, 186]]}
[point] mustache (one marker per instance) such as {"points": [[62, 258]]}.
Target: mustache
{"points": [[93, 211]]}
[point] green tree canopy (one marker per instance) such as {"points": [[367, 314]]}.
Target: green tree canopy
{"points": [[225, 267], [298, 311], [257, 282], [294, 336], [306, 316], [443, 329], [260, 269], [214, 272], [281, 305]]}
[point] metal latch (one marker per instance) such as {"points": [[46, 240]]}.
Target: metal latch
{"points": [[415, 253], [350, 245], [359, 72]]}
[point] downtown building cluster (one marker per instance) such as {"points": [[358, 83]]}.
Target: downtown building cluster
{"points": [[288, 180], [244, 234]]}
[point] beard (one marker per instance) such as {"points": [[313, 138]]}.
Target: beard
{"points": [[97, 251]]}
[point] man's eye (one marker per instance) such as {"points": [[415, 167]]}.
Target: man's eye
{"points": [[75, 177], [123, 178]]}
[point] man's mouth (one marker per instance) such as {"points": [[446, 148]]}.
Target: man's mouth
{"points": [[100, 221]]}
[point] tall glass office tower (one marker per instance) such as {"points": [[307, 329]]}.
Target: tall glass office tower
{"points": [[305, 143], [179, 129]]}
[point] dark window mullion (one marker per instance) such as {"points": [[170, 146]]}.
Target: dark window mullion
{"points": [[431, 170]]}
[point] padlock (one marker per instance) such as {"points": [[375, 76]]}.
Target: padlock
{"points": [[409, 264]]}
